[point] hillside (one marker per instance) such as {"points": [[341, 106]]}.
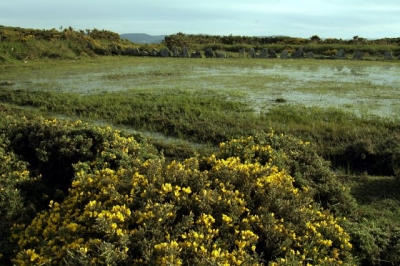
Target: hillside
{"points": [[27, 44], [142, 38]]}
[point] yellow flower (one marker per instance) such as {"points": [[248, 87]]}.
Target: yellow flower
{"points": [[167, 187], [187, 190], [227, 219]]}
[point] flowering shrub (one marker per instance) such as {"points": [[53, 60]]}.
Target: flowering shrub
{"points": [[230, 213], [300, 160], [37, 163], [124, 204]]}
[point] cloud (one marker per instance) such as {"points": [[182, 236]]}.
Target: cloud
{"points": [[297, 18]]}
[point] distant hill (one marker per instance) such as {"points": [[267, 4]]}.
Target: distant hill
{"points": [[142, 37]]}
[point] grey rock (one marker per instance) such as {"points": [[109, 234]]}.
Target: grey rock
{"points": [[136, 51], [208, 53], [284, 54], [175, 52], [129, 51], [264, 53], [388, 55], [299, 53], [154, 52], [251, 53], [115, 49], [185, 52], [358, 55], [196, 54], [340, 54], [310, 55], [272, 54], [242, 52], [164, 52], [220, 55]]}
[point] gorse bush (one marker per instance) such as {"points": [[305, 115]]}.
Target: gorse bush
{"points": [[300, 160], [231, 214], [37, 163], [125, 205]]}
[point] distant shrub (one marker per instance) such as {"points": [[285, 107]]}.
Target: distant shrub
{"points": [[329, 52]]}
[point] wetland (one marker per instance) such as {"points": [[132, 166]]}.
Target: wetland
{"points": [[364, 88]]}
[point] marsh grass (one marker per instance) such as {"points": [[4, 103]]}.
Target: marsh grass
{"points": [[212, 100], [212, 118]]}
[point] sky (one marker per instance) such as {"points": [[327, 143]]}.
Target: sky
{"points": [[342, 19]]}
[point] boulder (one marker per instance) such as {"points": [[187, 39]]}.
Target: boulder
{"points": [[175, 52], [284, 54], [208, 53], [358, 55], [136, 51], [164, 52], [196, 54], [185, 52], [242, 52], [310, 55], [340, 54], [264, 53], [220, 55], [299, 53], [154, 52], [388, 55], [251, 52], [130, 51], [272, 54], [114, 49]]}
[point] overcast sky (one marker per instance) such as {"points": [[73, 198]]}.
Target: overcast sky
{"points": [[296, 18]]}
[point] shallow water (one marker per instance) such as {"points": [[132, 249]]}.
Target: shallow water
{"points": [[372, 89]]}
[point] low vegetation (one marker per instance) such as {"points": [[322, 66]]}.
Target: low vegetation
{"points": [[241, 184]]}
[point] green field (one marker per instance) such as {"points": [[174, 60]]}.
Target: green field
{"points": [[348, 110]]}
